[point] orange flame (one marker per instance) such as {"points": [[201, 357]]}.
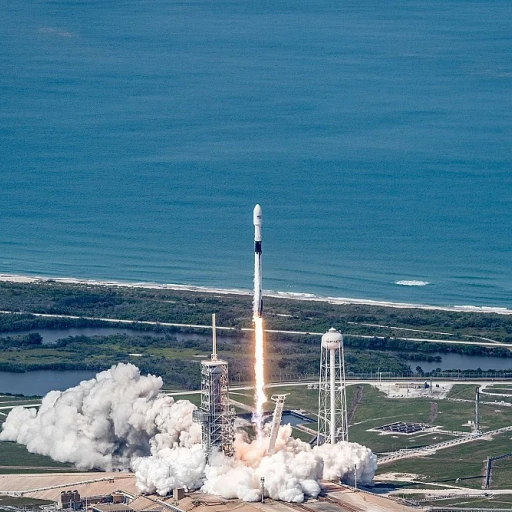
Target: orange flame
{"points": [[259, 370]]}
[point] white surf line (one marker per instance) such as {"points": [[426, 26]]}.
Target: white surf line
{"points": [[250, 329], [266, 293]]}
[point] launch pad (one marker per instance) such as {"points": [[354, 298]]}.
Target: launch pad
{"points": [[112, 487]]}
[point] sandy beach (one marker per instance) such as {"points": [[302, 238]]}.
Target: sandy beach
{"points": [[13, 278]]}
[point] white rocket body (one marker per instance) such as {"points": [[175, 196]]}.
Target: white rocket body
{"points": [[258, 297]]}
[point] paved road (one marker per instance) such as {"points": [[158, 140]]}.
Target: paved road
{"points": [[37, 404], [380, 326], [249, 329], [457, 491]]}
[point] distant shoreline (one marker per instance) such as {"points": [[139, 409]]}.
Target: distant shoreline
{"points": [[14, 278]]}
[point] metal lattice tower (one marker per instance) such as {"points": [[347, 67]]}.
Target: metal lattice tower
{"points": [[332, 397], [214, 415], [276, 421]]}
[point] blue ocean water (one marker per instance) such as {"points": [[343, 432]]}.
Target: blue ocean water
{"points": [[136, 137]]}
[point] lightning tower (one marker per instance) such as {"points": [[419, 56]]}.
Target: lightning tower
{"points": [[332, 398], [214, 415]]}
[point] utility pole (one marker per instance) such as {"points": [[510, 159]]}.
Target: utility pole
{"points": [[477, 409]]}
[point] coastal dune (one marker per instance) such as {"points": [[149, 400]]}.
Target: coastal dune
{"points": [[14, 278]]}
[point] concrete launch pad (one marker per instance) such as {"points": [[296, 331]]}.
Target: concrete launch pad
{"points": [[337, 498]]}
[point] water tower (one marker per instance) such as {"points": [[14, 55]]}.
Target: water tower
{"points": [[332, 398]]}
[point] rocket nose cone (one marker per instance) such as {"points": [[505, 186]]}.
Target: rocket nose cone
{"points": [[257, 215]]}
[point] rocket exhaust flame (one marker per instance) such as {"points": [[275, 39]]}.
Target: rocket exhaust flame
{"points": [[259, 371]]}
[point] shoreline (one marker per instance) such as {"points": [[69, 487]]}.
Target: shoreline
{"points": [[15, 278]]}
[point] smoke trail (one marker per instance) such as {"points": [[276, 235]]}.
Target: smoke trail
{"points": [[259, 371], [121, 420], [104, 422]]}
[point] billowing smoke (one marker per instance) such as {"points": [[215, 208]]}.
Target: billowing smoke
{"points": [[120, 420]]}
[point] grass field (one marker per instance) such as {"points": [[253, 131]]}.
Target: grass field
{"points": [[463, 391], [490, 502], [464, 462], [369, 414], [498, 391], [14, 458], [7, 503]]}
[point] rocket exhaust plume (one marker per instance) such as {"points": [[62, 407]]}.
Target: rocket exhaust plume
{"points": [[259, 355], [121, 420]]}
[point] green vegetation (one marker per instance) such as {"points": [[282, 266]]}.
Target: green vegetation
{"points": [[235, 311], [8, 503], [290, 357], [465, 462], [195, 398], [14, 458], [496, 390], [463, 392], [481, 502], [375, 409], [164, 351]]}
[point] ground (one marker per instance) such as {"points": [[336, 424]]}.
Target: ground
{"points": [[448, 410]]}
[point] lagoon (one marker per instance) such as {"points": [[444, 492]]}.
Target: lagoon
{"points": [[51, 336], [463, 362], [40, 382]]}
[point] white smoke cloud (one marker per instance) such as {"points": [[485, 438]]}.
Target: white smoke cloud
{"points": [[121, 420]]}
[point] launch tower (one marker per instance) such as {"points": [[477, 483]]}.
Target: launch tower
{"points": [[332, 398], [214, 415]]}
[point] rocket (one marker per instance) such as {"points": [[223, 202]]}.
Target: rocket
{"points": [[258, 298]]}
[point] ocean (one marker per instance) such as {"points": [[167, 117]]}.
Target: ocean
{"points": [[136, 138]]}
